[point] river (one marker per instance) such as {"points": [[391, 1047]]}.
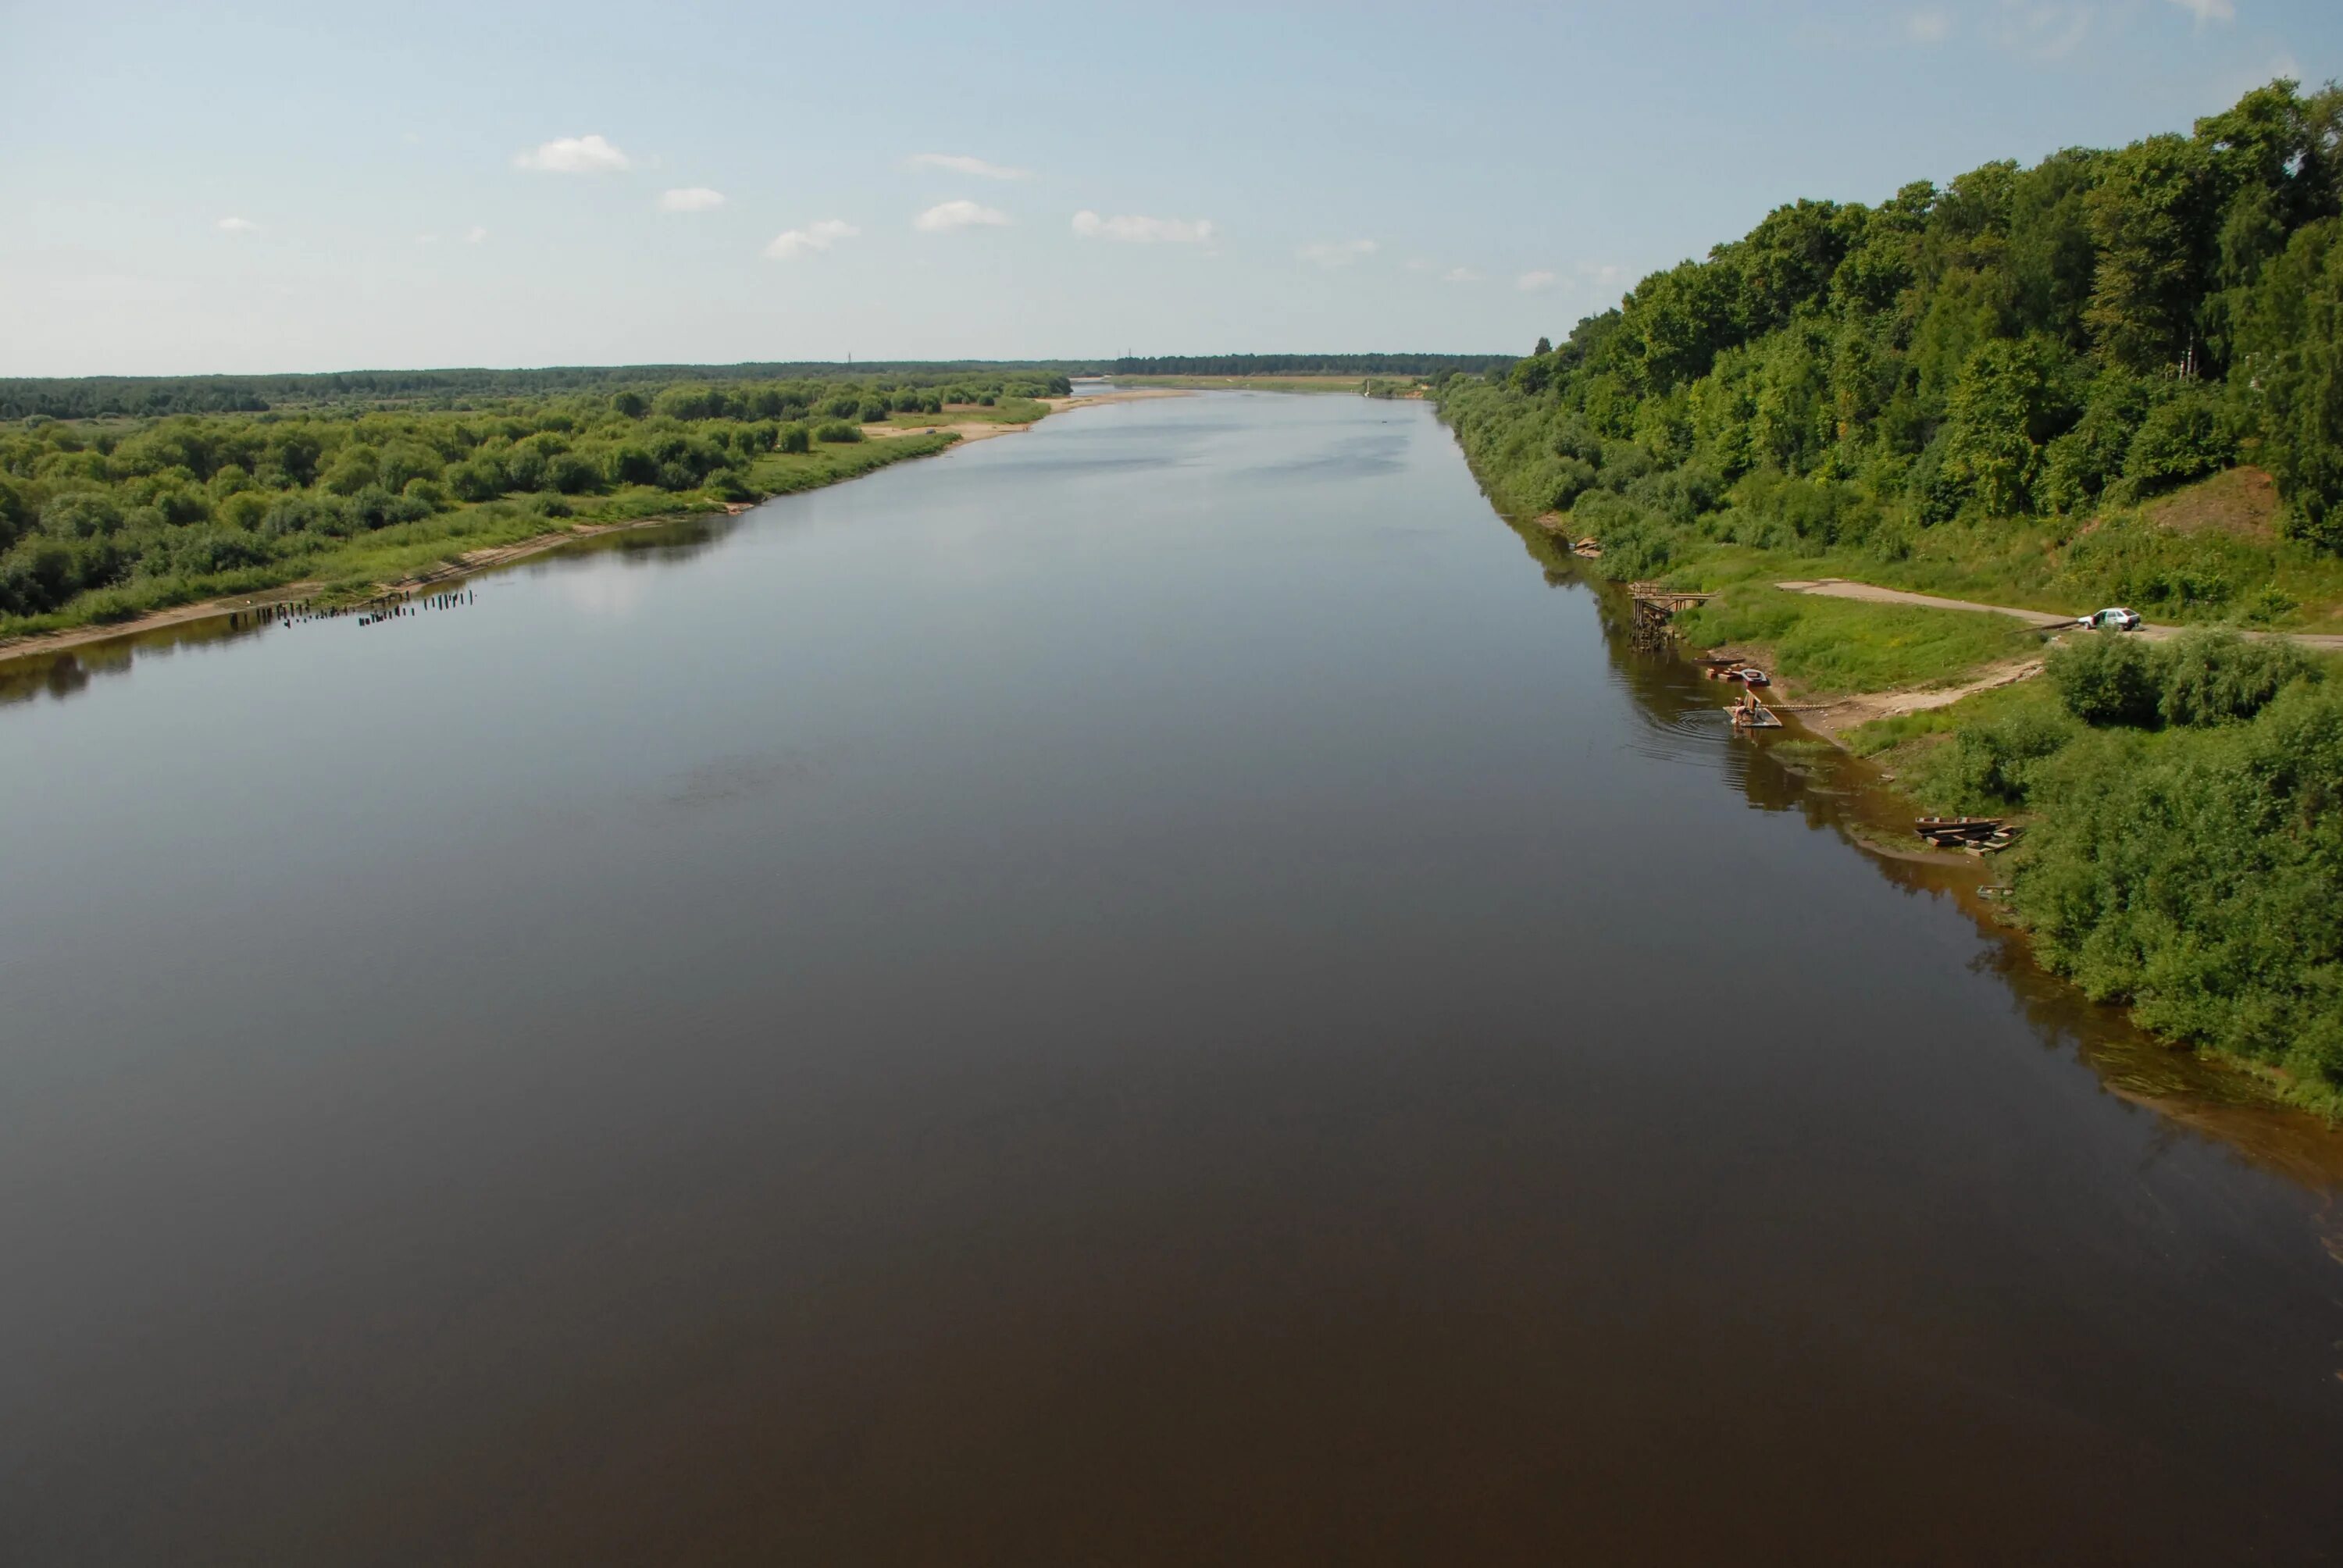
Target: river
{"points": [[1148, 990]]}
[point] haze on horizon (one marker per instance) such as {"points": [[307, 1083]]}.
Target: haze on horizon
{"points": [[437, 186]]}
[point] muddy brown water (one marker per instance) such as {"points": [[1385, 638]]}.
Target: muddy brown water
{"points": [[1150, 991]]}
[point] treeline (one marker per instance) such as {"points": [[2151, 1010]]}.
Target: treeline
{"points": [[2024, 343], [1312, 365], [87, 509], [149, 397]]}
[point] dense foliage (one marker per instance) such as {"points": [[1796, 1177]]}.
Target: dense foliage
{"points": [[2025, 343], [143, 511], [2182, 854]]}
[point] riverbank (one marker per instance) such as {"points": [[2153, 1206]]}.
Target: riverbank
{"points": [[410, 558], [2124, 852]]}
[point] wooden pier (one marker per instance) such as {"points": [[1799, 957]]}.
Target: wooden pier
{"points": [[1654, 608]]}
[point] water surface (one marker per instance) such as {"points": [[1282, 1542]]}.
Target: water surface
{"points": [[1146, 991]]}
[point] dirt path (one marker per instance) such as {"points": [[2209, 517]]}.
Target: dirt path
{"points": [[2041, 621], [1835, 717]]}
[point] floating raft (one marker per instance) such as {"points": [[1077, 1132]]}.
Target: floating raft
{"points": [[1756, 716]]}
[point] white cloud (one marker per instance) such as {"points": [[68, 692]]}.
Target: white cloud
{"points": [[426, 239], [1535, 282], [2208, 10], [945, 217], [238, 226], [474, 235], [815, 237], [1460, 274], [1419, 264], [1927, 26], [690, 198], [1338, 253], [589, 155], [1134, 229], [961, 164], [1602, 273]]}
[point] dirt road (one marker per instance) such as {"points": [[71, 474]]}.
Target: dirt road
{"points": [[2041, 621]]}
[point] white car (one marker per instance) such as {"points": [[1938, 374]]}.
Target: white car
{"points": [[2109, 619]]}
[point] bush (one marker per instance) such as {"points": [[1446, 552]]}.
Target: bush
{"points": [[81, 515], [2220, 678], [1636, 542], [836, 430], [1992, 764], [480, 479], [794, 437], [2203, 882], [2179, 440], [572, 475], [2108, 677], [201, 552], [299, 514]]}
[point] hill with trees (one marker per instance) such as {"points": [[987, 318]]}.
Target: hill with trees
{"points": [[1993, 389]]}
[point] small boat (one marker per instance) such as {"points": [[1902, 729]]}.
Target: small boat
{"points": [[1966, 832], [1753, 715]]}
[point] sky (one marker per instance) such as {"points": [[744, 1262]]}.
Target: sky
{"points": [[198, 186]]}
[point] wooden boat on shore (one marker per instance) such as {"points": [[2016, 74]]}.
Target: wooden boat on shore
{"points": [[1979, 833]]}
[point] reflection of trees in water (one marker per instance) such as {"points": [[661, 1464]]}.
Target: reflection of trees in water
{"points": [[1834, 792], [70, 671]]}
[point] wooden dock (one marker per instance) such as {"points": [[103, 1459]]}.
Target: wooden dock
{"points": [[1654, 606]]}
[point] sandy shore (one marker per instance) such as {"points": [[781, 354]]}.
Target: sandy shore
{"points": [[985, 431]]}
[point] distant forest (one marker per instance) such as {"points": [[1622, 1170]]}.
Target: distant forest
{"points": [[154, 397], [1312, 365], [151, 397]]}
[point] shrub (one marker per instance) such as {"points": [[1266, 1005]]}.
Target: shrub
{"points": [[633, 466], [480, 479], [1636, 542], [572, 475], [2179, 440], [2107, 678], [1993, 763], [2220, 678], [81, 515], [2199, 882], [836, 430], [794, 437]]}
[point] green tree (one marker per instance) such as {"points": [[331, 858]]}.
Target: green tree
{"points": [[2153, 218]]}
